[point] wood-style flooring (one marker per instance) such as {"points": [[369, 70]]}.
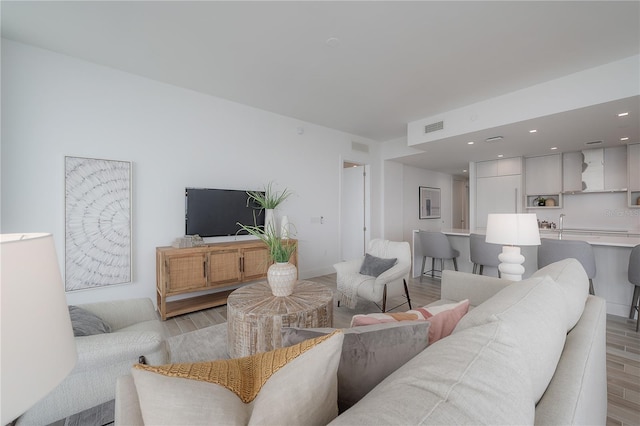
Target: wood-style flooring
{"points": [[623, 346]]}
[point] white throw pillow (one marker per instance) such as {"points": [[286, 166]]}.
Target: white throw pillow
{"points": [[300, 390]]}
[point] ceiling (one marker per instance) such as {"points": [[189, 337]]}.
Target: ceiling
{"points": [[365, 68]]}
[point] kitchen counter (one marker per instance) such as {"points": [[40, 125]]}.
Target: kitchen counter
{"points": [[593, 237], [611, 249]]}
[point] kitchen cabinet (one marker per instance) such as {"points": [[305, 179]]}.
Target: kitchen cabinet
{"points": [[605, 170], [572, 171], [543, 178], [498, 188], [615, 168], [498, 194], [633, 175], [501, 167]]}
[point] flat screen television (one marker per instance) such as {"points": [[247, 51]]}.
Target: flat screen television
{"points": [[216, 212]]}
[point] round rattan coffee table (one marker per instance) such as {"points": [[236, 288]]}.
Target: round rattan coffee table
{"points": [[255, 316]]}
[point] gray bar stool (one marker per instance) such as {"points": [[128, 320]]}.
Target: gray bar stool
{"points": [[634, 278], [550, 251], [483, 253], [436, 245]]}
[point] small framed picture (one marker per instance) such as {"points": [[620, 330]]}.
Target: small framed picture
{"points": [[429, 202]]}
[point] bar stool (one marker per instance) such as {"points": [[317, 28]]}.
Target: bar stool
{"points": [[483, 253], [634, 278], [550, 251], [436, 245]]}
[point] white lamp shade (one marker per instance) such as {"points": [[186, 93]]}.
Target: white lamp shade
{"points": [[38, 347], [515, 229]]}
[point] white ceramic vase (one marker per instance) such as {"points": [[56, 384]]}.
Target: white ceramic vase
{"points": [[284, 228], [269, 221], [282, 277]]}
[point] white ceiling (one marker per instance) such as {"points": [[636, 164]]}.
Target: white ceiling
{"points": [[393, 62]]}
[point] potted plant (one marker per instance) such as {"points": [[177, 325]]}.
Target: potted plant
{"points": [[281, 275], [268, 200]]}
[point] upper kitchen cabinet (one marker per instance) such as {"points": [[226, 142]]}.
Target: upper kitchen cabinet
{"points": [[498, 188], [633, 173], [543, 181], [501, 167], [595, 170]]}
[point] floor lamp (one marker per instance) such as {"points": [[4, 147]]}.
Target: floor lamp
{"points": [[512, 230], [38, 347]]}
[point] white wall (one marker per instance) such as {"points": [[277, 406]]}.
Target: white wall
{"points": [[54, 105], [401, 183]]}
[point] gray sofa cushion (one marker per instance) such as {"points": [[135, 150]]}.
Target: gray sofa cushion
{"points": [[85, 323], [574, 283], [374, 266], [369, 354], [535, 309]]}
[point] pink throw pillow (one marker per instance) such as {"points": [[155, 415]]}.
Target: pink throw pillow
{"points": [[443, 318], [443, 321]]}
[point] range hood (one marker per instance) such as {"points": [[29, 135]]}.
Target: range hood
{"points": [[593, 169]]}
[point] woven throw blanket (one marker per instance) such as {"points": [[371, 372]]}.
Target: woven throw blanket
{"points": [[347, 289], [242, 376]]}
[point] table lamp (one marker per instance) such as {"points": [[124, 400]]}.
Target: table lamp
{"points": [[512, 230], [38, 347]]}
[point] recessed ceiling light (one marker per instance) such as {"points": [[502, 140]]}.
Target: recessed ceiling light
{"points": [[533, 131], [333, 42], [464, 171], [623, 114], [624, 139], [470, 143], [554, 147], [500, 155]]}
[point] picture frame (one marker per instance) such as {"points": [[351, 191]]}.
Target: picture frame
{"points": [[429, 202], [98, 246]]}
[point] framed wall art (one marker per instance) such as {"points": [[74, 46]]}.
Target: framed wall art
{"points": [[429, 199], [97, 223]]}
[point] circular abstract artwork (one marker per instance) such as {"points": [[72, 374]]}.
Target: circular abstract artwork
{"points": [[98, 223]]}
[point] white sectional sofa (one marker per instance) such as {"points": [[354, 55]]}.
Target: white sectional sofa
{"points": [[529, 352]]}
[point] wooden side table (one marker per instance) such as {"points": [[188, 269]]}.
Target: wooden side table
{"points": [[255, 316]]}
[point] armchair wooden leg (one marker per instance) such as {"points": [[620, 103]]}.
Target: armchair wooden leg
{"points": [[433, 266], [384, 299], [455, 264], [406, 292], [424, 260]]}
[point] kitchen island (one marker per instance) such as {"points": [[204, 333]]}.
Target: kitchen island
{"points": [[611, 249]]}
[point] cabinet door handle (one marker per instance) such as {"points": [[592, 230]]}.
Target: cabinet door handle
{"points": [[204, 268]]}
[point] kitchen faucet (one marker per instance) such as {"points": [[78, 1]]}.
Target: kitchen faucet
{"points": [[561, 225]]}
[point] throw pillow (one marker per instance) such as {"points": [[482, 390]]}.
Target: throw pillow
{"points": [[374, 266], [85, 323], [369, 354], [443, 318], [294, 385]]}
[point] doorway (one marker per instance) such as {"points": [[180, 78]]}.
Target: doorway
{"points": [[354, 210], [460, 207]]}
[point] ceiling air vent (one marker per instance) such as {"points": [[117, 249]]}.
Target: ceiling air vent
{"points": [[357, 146], [494, 139], [594, 143], [434, 127]]}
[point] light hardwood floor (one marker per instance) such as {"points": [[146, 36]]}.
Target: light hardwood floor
{"points": [[623, 345]]}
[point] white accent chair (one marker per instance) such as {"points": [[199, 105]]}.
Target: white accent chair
{"points": [[391, 283], [135, 332]]}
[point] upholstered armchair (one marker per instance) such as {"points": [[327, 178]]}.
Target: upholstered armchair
{"points": [[358, 277], [135, 332]]}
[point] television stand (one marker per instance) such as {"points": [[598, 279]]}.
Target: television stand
{"points": [[217, 269]]}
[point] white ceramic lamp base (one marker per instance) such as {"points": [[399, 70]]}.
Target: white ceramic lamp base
{"points": [[511, 267]]}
